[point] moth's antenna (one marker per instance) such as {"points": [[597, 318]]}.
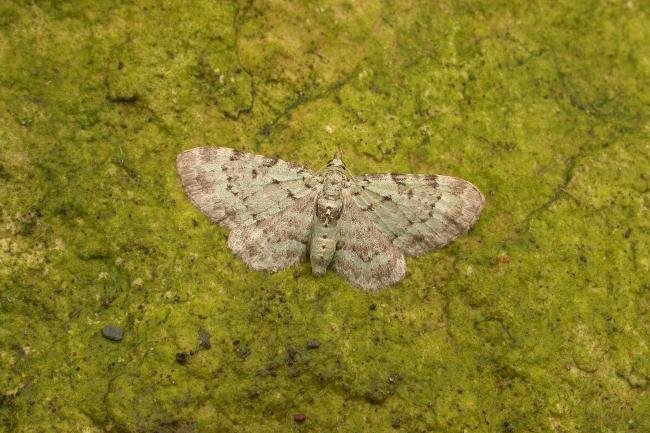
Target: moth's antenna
{"points": [[322, 167], [351, 176], [339, 155]]}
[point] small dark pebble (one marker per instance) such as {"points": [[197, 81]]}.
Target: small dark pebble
{"points": [[313, 344], [377, 395], [270, 369], [204, 339], [299, 417], [396, 423], [292, 355], [264, 372], [243, 351], [394, 378], [182, 358], [112, 333]]}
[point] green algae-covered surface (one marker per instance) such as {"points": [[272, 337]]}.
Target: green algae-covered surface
{"points": [[536, 321]]}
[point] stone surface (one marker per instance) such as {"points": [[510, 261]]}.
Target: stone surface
{"points": [[544, 106]]}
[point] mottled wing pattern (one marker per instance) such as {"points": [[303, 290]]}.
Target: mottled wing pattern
{"points": [[365, 256], [276, 242], [235, 188], [418, 212]]}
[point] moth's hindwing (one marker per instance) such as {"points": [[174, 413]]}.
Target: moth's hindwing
{"points": [[364, 255], [277, 242]]}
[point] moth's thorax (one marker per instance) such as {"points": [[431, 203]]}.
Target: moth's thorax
{"points": [[329, 206], [333, 182]]}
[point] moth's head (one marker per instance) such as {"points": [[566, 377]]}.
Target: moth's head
{"points": [[336, 162]]}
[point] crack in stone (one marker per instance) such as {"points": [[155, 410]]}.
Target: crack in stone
{"points": [[557, 195], [590, 109], [560, 190], [237, 23], [301, 100], [445, 313]]}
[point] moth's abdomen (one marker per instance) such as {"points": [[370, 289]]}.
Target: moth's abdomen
{"points": [[323, 247], [324, 233]]}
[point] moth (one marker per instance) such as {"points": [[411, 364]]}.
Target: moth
{"points": [[280, 213]]}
